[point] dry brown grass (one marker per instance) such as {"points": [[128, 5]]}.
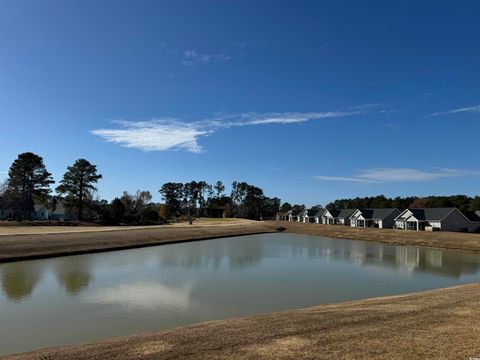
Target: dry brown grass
{"points": [[48, 242], [51, 241], [444, 240]]}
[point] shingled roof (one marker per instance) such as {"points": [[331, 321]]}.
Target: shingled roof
{"points": [[431, 213], [377, 214], [473, 216], [344, 213]]}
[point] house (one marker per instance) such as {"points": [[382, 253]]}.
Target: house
{"points": [[328, 217], [436, 219], [40, 212], [60, 212], [318, 216], [378, 218], [308, 216], [337, 216], [295, 215], [283, 215]]}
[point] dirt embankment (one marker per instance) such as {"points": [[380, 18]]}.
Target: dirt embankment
{"points": [[48, 242], [438, 239], [22, 243], [438, 324]]}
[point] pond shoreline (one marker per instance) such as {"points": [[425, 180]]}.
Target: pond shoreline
{"points": [[441, 323], [20, 247]]}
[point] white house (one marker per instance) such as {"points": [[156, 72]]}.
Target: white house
{"points": [[318, 216], [436, 219], [337, 217], [295, 215], [379, 218], [308, 216], [40, 212], [60, 212], [283, 215]]}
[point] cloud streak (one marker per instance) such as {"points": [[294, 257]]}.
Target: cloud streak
{"points": [[192, 57], [469, 109], [397, 175], [174, 134]]}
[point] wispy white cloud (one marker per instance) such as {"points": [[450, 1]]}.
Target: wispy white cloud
{"points": [[392, 175], [175, 134], [192, 57], [155, 135], [323, 46], [469, 109]]}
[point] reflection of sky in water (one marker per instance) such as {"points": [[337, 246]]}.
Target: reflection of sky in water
{"points": [[142, 295], [155, 288]]}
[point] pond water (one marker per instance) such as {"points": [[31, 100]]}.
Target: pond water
{"points": [[87, 297]]}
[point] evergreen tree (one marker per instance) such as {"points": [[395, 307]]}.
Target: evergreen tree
{"points": [[27, 178], [78, 183]]}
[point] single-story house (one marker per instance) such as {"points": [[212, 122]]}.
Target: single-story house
{"points": [[283, 215], [40, 212], [337, 216], [62, 213], [308, 216], [436, 219], [379, 218], [295, 215], [318, 215]]}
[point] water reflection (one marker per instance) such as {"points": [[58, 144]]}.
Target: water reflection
{"points": [[19, 279], [405, 258], [142, 295], [158, 288], [73, 273], [245, 254], [239, 255]]}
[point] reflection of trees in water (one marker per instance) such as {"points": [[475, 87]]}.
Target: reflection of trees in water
{"points": [[244, 252], [20, 278], [443, 262], [73, 273], [238, 253]]}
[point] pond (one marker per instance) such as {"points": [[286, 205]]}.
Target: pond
{"points": [[87, 297]]}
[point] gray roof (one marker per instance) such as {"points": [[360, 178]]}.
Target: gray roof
{"points": [[320, 212], [431, 213], [38, 207], [304, 212], [312, 212], [378, 214], [297, 212], [472, 215], [342, 213]]}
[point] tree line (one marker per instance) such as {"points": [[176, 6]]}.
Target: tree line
{"points": [[462, 202], [29, 182], [198, 198]]}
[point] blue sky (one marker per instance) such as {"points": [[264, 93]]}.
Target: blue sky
{"points": [[311, 100]]}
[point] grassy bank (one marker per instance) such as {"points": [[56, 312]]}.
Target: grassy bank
{"points": [[438, 239], [23, 243], [438, 324]]}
